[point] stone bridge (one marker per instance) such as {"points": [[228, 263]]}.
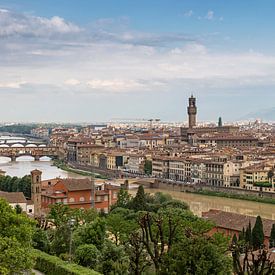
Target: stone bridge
{"points": [[36, 152], [24, 144]]}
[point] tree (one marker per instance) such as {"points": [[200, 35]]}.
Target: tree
{"points": [[87, 255], [272, 236], [148, 167], [113, 260], [18, 209], [248, 235], [16, 232], [198, 254], [234, 239], [123, 199], [137, 253], [258, 234], [91, 233], [120, 226], [41, 240], [139, 201]]}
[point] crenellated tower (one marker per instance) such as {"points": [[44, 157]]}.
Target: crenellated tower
{"points": [[192, 111]]}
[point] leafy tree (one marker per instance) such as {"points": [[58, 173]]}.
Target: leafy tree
{"points": [[60, 239], [198, 255], [139, 201], [18, 209], [272, 236], [16, 232], [123, 199], [120, 226], [257, 234], [91, 233], [41, 240], [87, 255], [113, 260]]}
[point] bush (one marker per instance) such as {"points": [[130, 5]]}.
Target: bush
{"points": [[53, 265]]}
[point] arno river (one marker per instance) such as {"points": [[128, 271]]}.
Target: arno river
{"points": [[197, 203]]}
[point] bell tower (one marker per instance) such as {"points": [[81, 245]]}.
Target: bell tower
{"points": [[36, 191], [192, 111]]}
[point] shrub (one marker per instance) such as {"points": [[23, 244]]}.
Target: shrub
{"points": [[53, 265]]}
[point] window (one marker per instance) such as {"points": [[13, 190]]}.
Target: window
{"points": [[81, 199], [71, 200]]}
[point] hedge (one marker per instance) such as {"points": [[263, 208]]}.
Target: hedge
{"points": [[53, 265]]}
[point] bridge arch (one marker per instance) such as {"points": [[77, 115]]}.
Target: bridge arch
{"points": [[31, 145], [17, 145]]}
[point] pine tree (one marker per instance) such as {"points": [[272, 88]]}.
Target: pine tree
{"points": [[272, 236], [248, 235], [258, 234]]}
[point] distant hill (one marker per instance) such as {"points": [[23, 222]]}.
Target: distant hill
{"points": [[264, 114]]}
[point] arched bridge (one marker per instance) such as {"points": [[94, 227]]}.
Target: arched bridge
{"points": [[36, 152]]}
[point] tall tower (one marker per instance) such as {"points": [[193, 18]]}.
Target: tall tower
{"points": [[36, 191], [192, 111]]}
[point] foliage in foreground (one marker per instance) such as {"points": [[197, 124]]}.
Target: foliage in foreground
{"points": [[16, 231]]}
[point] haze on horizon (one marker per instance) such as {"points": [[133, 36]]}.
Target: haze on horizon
{"points": [[97, 60]]}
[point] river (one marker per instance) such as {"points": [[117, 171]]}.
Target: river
{"points": [[23, 165], [201, 203]]}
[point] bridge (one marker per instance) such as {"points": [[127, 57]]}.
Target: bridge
{"points": [[22, 144], [36, 152]]}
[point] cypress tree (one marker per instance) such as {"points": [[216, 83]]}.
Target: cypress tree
{"points": [[234, 239], [258, 234], [272, 236], [248, 234], [139, 201], [241, 235]]}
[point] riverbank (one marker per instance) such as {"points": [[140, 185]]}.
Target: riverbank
{"points": [[232, 196], [63, 166]]}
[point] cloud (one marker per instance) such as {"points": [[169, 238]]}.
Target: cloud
{"points": [[17, 24], [209, 15], [188, 13], [72, 82], [12, 85]]}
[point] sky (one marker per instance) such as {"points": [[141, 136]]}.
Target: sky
{"points": [[103, 60]]}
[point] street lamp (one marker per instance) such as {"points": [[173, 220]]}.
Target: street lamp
{"points": [[71, 224]]}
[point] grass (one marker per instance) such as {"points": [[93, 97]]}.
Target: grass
{"points": [[63, 166], [234, 196]]}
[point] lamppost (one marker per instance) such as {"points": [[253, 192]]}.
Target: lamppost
{"points": [[71, 224]]}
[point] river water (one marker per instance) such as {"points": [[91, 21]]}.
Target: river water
{"points": [[23, 165], [197, 203], [201, 203]]}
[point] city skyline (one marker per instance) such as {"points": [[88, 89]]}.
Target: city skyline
{"points": [[97, 60]]}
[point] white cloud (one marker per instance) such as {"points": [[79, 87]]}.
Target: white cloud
{"points": [[117, 85], [12, 24], [72, 82], [188, 13], [12, 85], [209, 15]]}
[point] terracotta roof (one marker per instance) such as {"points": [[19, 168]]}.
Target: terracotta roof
{"points": [[235, 221], [13, 197], [77, 184]]}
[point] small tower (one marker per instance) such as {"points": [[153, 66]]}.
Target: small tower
{"points": [[36, 191], [192, 111]]}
